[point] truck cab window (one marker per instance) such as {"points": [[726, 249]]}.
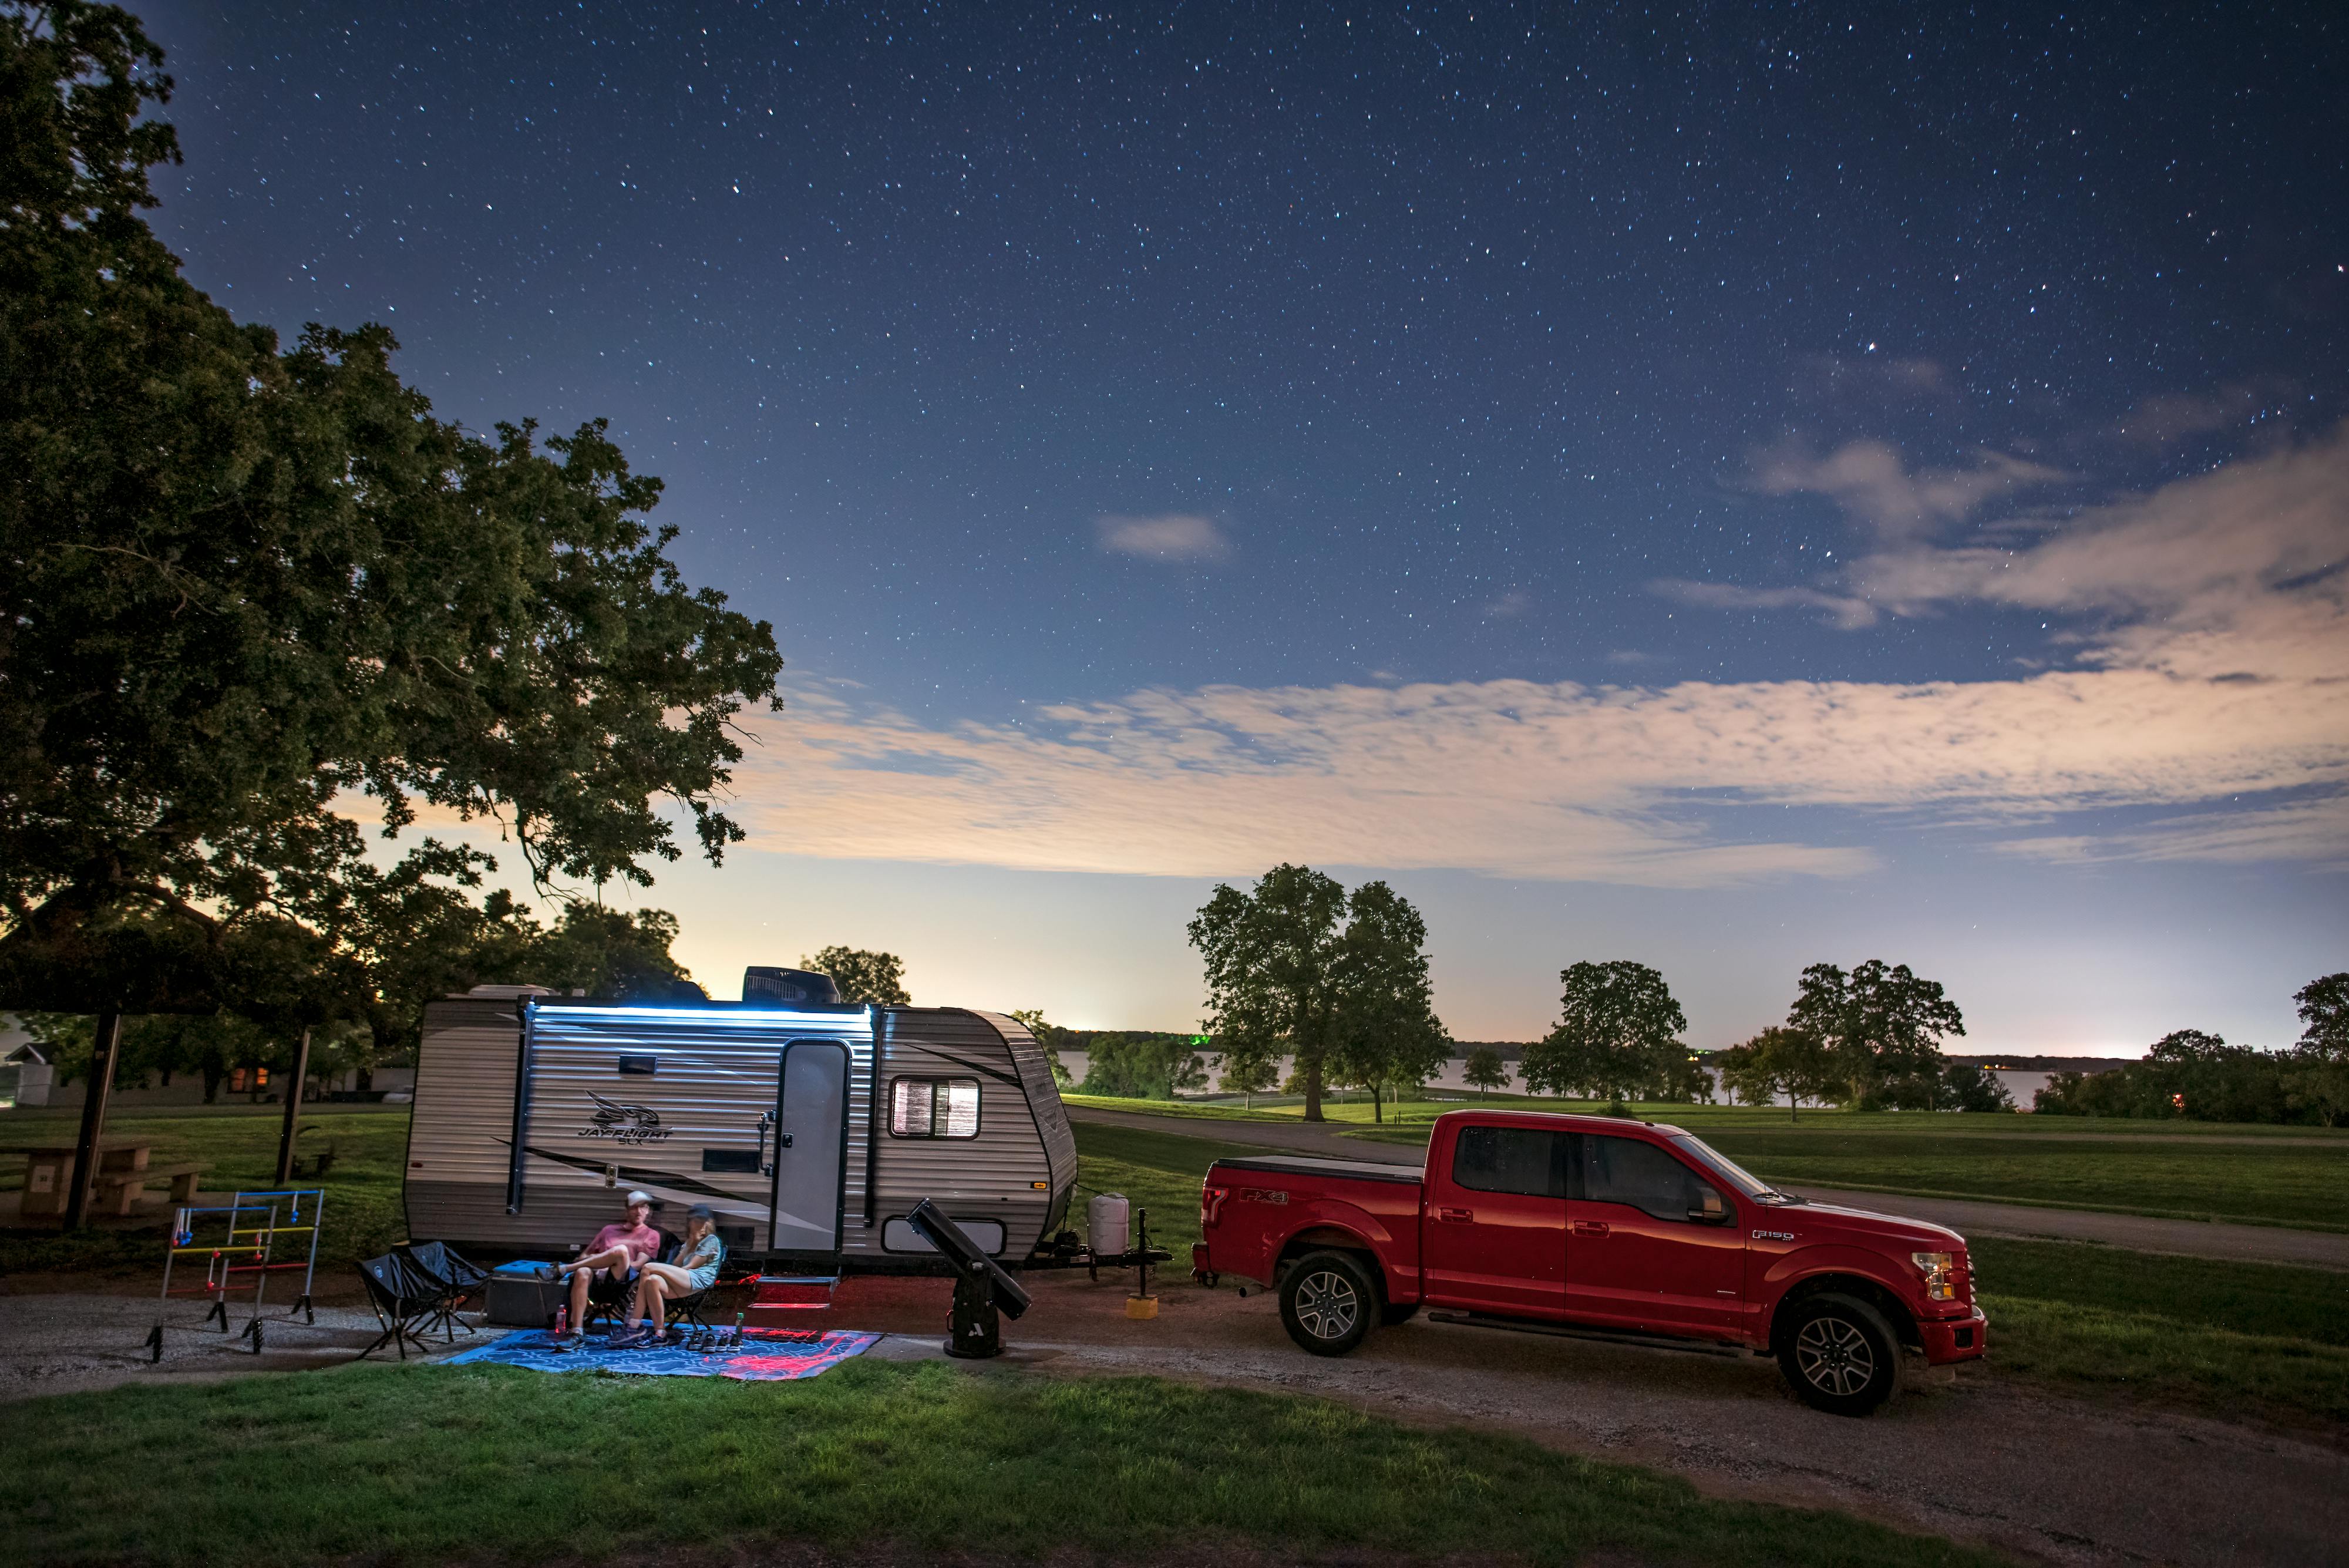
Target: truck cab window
{"points": [[933, 1107], [1526, 1160], [1633, 1171]]}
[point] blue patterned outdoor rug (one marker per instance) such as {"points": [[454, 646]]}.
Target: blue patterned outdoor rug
{"points": [[764, 1354]]}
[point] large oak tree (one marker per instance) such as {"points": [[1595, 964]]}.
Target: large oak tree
{"points": [[248, 591]]}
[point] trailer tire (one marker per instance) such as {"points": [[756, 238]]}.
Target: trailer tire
{"points": [[1839, 1356], [1328, 1303]]}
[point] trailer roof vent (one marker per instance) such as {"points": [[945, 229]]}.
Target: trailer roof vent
{"points": [[763, 985]]}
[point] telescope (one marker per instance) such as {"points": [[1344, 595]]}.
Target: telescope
{"points": [[984, 1291]]}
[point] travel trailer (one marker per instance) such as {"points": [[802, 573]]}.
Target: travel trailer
{"points": [[811, 1128]]}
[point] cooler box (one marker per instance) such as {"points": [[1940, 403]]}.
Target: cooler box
{"points": [[519, 1298]]}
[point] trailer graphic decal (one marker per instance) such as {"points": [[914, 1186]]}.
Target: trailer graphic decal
{"points": [[623, 1123]]}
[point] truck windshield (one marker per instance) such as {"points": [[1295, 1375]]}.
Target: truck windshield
{"points": [[1729, 1170]]}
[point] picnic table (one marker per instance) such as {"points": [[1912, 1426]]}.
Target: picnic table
{"points": [[121, 1182]]}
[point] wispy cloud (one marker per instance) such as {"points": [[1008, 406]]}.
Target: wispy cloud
{"points": [[1174, 536], [1843, 609], [1871, 482], [2219, 671]]}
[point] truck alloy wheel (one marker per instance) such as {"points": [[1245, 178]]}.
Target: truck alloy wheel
{"points": [[1840, 1355], [1327, 1303]]}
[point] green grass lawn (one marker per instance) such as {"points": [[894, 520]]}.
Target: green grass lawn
{"points": [[2226, 1338], [434, 1464], [240, 1146]]}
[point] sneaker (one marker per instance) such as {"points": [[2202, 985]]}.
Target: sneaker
{"points": [[630, 1339]]}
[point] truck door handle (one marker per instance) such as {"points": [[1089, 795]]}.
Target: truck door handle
{"points": [[1461, 1215], [1590, 1228]]}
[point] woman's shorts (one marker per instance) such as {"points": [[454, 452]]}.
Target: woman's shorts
{"points": [[702, 1279]]}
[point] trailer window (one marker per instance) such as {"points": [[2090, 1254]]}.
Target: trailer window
{"points": [[933, 1107]]}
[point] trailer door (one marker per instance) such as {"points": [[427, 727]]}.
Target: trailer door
{"points": [[810, 1146]]}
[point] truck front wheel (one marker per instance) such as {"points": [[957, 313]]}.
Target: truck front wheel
{"points": [[1839, 1356], [1327, 1303]]}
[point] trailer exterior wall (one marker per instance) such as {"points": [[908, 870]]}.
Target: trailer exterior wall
{"points": [[713, 1076]]}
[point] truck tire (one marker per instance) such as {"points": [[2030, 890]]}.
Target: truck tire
{"points": [[1839, 1356], [1327, 1303]]}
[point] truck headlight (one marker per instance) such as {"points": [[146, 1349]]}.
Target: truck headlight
{"points": [[1935, 1267]]}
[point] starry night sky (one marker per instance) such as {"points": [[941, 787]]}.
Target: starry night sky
{"points": [[1012, 358]]}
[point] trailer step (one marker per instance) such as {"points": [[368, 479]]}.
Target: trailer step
{"points": [[792, 1293]]}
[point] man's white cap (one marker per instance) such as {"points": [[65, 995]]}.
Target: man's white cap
{"points": [[636, 1196]]}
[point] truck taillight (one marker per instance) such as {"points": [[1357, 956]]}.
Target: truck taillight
{"points": [[1211, 1204]]}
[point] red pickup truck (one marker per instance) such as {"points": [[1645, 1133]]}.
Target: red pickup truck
{"points": [[1594, 1225]]}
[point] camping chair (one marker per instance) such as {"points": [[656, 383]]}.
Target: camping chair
{"points": [[403, 1296], [457, 1278]]}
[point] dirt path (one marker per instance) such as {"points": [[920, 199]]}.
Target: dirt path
{"points": [[2184, 1238]]}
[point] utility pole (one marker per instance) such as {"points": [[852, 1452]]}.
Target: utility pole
{"points": [[103, 1051], [293, 1109]]}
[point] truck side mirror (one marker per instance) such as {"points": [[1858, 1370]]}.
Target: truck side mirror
{"points": [[1709, 1209]]}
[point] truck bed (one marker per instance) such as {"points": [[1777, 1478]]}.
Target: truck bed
{"points": [[1314, 1165]]}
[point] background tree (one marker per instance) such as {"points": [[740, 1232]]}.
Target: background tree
{"points": [[1484, 1070], [1050, 1037], [1247, 1077], [1618, 1034], [876, 978], [1143, 1065], [1882, 1025], [2317, 1079], [1780, 1061], [1271, 961], [1385, 1036], [1968, 1088]]}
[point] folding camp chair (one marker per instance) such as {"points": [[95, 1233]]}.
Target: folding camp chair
{"points": [[458, 1280], [403, 1296]]}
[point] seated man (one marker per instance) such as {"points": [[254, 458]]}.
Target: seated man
{"points": [[617, 1252], [692, 1268]]}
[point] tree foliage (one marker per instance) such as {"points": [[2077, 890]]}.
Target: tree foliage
{"points": [[1298, 967], [1882, 1026], [1484, 1070], [246, 590], [1618, 1036], [1142, 1064], [2187, 1073], [1780, 1061], [876, 977]]}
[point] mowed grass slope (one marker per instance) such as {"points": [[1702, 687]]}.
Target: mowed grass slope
{"points": [[434, 1464], [239, 1144]]}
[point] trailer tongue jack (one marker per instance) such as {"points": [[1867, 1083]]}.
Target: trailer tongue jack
{"points": [[984, 1291]]}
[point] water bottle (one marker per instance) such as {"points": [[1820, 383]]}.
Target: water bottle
{"points": [[562, 1320], [738, 1328]]}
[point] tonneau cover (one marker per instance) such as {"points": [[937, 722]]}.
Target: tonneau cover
{"points": [[1311, 1165]]}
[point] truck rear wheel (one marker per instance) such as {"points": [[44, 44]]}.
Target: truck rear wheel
{"points": [[1839, 1356], [1327, 1303]]}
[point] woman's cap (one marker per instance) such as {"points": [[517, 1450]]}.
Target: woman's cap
{"points": [[700, 1212]]}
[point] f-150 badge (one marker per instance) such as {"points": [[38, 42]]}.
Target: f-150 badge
{"points": [[1773, 1235]]}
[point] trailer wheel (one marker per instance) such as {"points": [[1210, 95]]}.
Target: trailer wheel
{"points": [[1840, 1355], [1206, 1277], [1327, 1303]]}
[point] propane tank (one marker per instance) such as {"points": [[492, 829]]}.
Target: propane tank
{"points": [[1105, 1222]]}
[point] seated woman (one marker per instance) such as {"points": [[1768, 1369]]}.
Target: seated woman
{"points": [[692, 1268]]}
